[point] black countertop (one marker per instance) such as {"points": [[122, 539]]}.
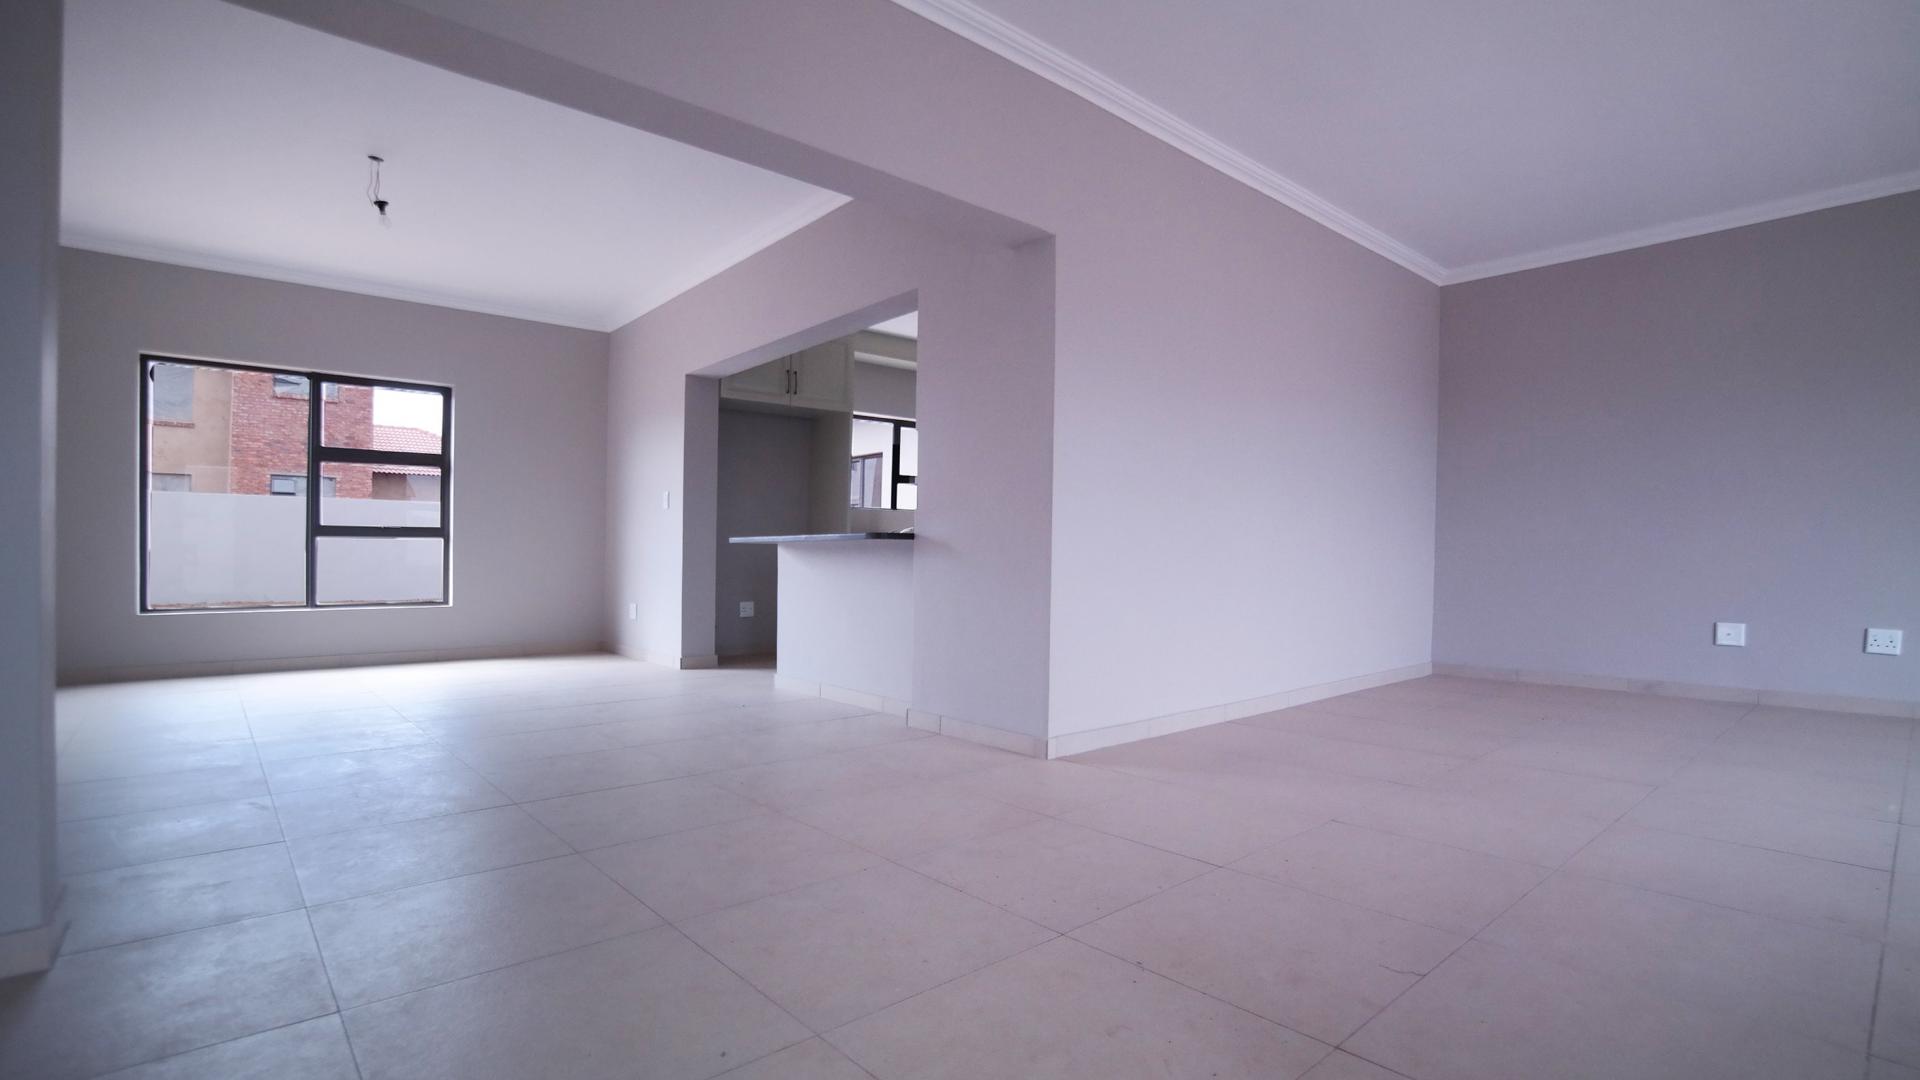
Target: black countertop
{"points": [[819, 538]]}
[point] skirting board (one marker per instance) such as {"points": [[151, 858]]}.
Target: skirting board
{"points": [[24, 952], [860, 698], [999, 738], [1782, 698], [682, 663], [92, 676], [1081, 742]]}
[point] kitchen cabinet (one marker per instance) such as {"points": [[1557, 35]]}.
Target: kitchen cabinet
{"points": [[820, 378]]}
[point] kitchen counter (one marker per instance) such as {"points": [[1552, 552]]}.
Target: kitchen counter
{"points": [[819, 538]]}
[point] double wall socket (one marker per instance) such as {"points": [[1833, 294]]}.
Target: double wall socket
{"points": [[746, 609], [1883, 642], [1730, 633]]}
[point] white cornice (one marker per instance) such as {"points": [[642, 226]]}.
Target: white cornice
{"points": [[1680, 230], [776, 229], [108, 245], [996, 35], [1008, 41]]}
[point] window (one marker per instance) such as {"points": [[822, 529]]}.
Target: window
{"points": [[868, 480], [895, 446], [173, 393], [285, 484], [298, 500], [295, 386]]}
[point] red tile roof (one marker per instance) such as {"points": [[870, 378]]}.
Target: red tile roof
{"points": [[411, 440]]}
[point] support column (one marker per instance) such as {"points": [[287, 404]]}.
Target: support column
{"points": [[29, 258]]}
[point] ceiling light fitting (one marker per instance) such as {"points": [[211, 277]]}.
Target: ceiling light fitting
{"points": [[374, 161]]}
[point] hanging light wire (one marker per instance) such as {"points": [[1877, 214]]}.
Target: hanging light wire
{"points": [[374, 161]]}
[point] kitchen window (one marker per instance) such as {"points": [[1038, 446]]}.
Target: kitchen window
{"points": [[894, 445]]}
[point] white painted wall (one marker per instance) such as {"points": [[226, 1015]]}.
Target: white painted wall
{"points": [[527, 491], [847, 617], [29, 222], [763, 491], [883, 391]]}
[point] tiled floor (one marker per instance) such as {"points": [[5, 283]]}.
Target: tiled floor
{"points": [[588, 867]]}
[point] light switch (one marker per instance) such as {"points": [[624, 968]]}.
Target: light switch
{"points": [[1884, 642], [666, 500], [1730, 633]]}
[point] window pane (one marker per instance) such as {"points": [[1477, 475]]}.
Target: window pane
{"points": [[381, 418], [378, 570], [909, 452], [217, 536], [395, 496], [873, 440], [909, 496], [173, 392]]}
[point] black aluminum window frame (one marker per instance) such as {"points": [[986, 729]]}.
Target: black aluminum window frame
{"points": [[898, 477], [318, 454]]}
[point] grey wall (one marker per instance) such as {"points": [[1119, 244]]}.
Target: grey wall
{"points": [[884, 391], [528, 485], [29, 224], [763, 491], [1720, 428]]}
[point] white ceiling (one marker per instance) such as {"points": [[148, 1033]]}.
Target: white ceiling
{"points": [[203, 134], [906, 326], [1475, 137]]}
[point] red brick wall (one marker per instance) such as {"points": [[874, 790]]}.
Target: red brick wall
{"points": [[269, 435]]}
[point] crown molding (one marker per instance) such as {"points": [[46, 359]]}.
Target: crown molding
{"points": [[805, 213], [200, 260], [1008, 41], [1681, 230]]}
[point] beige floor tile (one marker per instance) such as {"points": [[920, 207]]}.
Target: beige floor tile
{"points": [[1213, 826], [1312, 720], [1834, 896], [1903, 914], [160, 791], [129, 1004], [1638, 766], [1064, 1011], [1320, 966], [1341, 1065], [396, 942], [1506, 829], [110, 907], [650, 1004], [1490, 1013], [840, 949], [362, 766], [1051, 787], [902, 821], [815, 1059], [361, 861], [1896, 1022], [1446, 887], [154, 835], [691, 873], [572, 774], [1524, 790], [1793, 829], [1690, 953], [75, 766], [1827, 794], [1347, 757], [937, 758], [787, 784], [372, 735], [1056, 874], [309, 1050], [600, 819], [315, 811]]}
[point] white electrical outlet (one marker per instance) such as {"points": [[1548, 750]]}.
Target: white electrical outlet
{"points": [[633, 612], [746, 609], [1730, 633], [1883, 642]]}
